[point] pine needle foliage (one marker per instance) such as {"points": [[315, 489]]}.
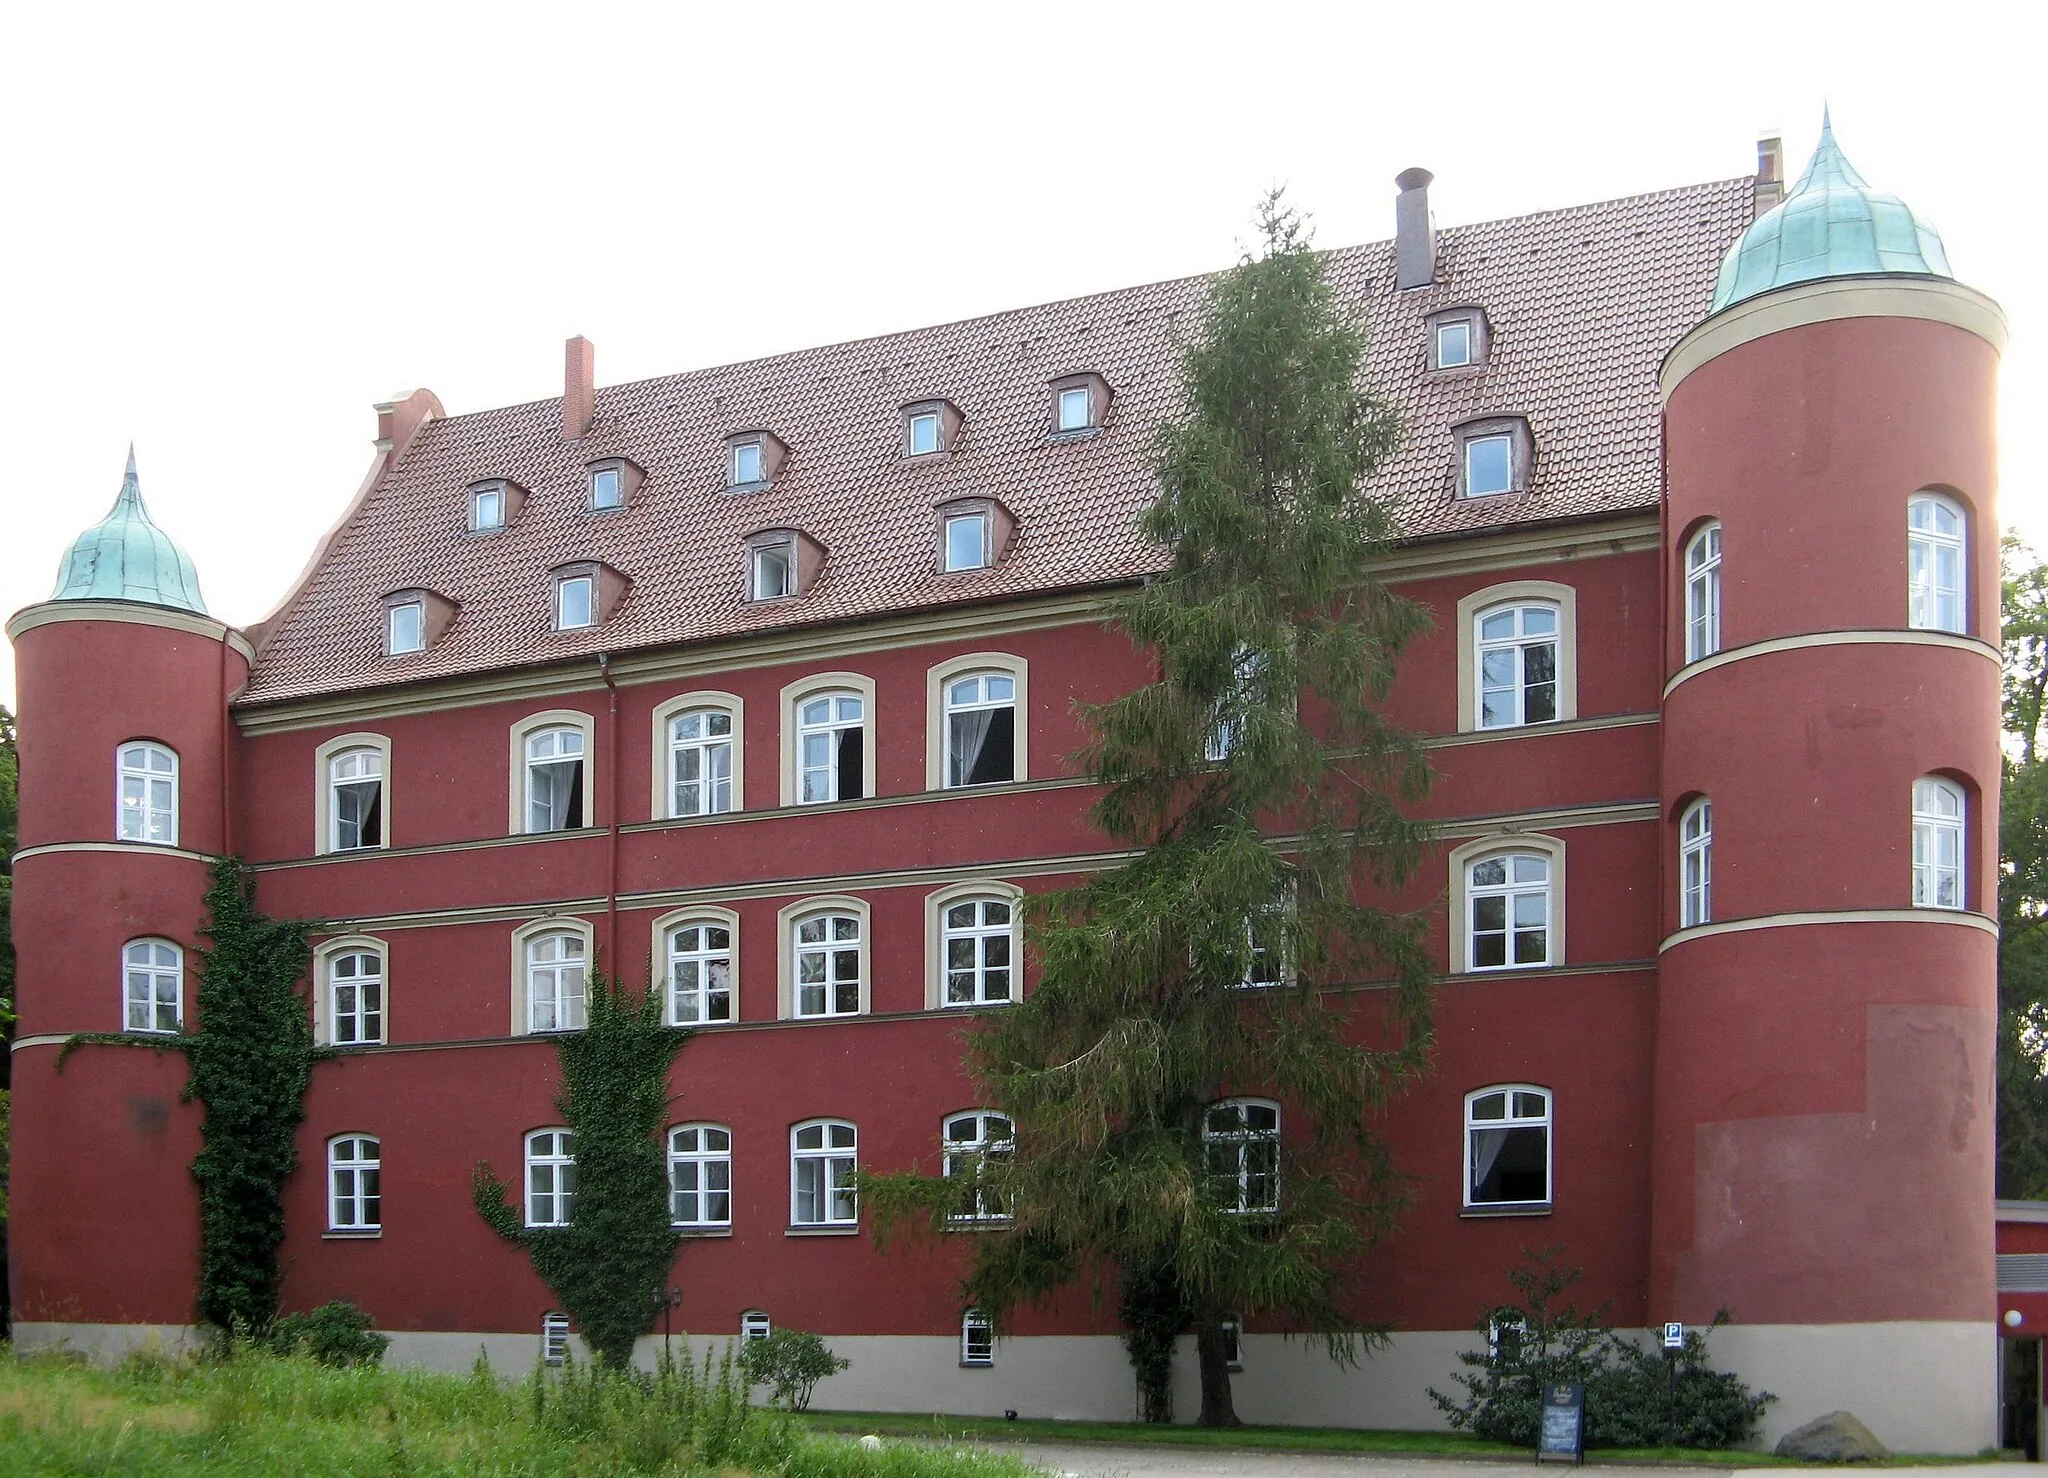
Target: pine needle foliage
{"points": [[251, 1061], [1263, 788], [610, 1265]]}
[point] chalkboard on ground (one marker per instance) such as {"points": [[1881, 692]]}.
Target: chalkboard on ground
{"points": [[1563, 1434]]}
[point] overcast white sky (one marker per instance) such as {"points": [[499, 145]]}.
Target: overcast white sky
{"points": [[230, 230]]}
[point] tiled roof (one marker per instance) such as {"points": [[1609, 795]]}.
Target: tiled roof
{"points": [[1582, 304]]}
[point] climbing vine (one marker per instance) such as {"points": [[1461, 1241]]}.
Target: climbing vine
{"points": [[1153, 1310], [610, 1263]]}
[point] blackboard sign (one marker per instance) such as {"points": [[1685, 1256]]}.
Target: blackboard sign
{"points": [[1563, 1434]]}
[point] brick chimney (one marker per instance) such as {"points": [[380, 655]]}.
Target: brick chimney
{"points": [[579, 387], [1770, 172], [1414, 234]]}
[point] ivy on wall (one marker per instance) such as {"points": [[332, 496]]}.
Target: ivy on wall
{"points": [[610, 1265]]}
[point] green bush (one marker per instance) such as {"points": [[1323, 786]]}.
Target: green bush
{"points": [[336, 1333], [791, 1361], [1635, 1396]]}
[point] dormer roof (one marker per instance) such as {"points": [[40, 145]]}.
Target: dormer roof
{"points": [[125, 556]]}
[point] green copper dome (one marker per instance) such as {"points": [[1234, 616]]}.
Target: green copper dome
{"points": [[126, 557], [1831, 225]]}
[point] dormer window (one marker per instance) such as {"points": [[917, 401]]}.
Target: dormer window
{"points": [[930, 427], [1457, 339], [1494, 457], [575, 602], [753, 459], [493, 504], [606, 488], [966, 541], [974, 533], [405, 627], [924, 433], [781, 563], [747, 464], [1079, 403]]}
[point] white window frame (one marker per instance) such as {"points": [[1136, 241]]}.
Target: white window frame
{"points": [[1512, 891], [1528, 618], [832, 1181], [758, 555], [478, 493], [1245, 1139], [358, 1208], [755, 1325], [1696, 864], [392, 648], [617, 475], [1506, 439], [788, 921], [981, 522], [366, 766], [938, 678], [1930, 604], [554, 1339], [1941, 812], [1461, 859], [1547, 1122], [563, 584], [152, 780], [1703, 593], [326, 1012], [1518, 593], [664, 745], [941, 932], [985, 698], [157, 973], [1464, 327], [965, 1156], [703, 1158], [325, 801], [733, 459], [553, 718], [790, 704], [1065, 397], [560, 1155], [522, 985], [697, 916], [977, 1340], [912, 422]]}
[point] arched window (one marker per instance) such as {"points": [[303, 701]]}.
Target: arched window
{"points": [[975, 940], [153, 988], [1703, 594], [550, 1178], [1507, 1147], [1937, 571], [555, 982], [1696, 864], [147, 776], [554, 780], [1507, 911], [830, 963], [981, 729], [1241, 1147], [700, 981], [970, 1141], [355, 799], [355, 1202], [822, 1160], [1517, 664], [355, 997], [831, 737], [700, 1175], [1938, 812], [700, 768]]}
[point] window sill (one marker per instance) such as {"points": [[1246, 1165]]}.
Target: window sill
{"points": [[697, 1233], [977, 1223], [352, 1234], [977, 1365], [1079, 433], [828, 1231], [1513, 1208], [759, 484]]}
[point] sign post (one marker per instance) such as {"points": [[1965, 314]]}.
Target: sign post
{"points": [[1674, 1346], [1562, 1436]]}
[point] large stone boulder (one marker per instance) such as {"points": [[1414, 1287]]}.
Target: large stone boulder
{"points": [[1837, 1437]]}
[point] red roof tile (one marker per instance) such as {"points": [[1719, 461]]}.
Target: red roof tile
{"points": [[1582, 305]]}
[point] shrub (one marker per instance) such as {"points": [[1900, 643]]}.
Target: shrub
{"points": [[336, 1333], [791, 1361], [1649, 1399]]}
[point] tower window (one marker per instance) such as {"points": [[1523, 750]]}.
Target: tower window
{"points": [[1696, 864], [153, 988], [1936, 567], [148, 812], [1703, 594], [1938, 822]]}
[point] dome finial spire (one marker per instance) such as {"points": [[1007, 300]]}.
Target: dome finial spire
{"points": [[125, 556]]}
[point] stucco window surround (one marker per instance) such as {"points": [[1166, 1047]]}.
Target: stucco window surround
{"points": [[696, 983], [708, 784], [788, 921], [153, 986], [494, 504], [525, 936], [363, 985], [790, 704], [611, 483], [1495, 456], [582, 724], [1079, 404], [329, 801], [146, 792], [782, 563], [1505, 844], [1938, 562], [1457, 339], [1509, 1151], [407, 635], [936, 934], [931, 428], [973, 534], [938, 714], [1513, 593]]}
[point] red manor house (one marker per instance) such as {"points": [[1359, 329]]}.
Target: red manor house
{"points": [[765, 674]]}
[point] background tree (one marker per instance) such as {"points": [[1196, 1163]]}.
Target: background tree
{"points": [[1264, 789], [2023, 884], [10, 798]]}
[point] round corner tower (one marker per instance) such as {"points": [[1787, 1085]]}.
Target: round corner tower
{"points": [[123, 682], [1823, 1123]]}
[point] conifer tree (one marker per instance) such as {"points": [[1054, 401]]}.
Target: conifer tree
{"points": [[1238, 954]]}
